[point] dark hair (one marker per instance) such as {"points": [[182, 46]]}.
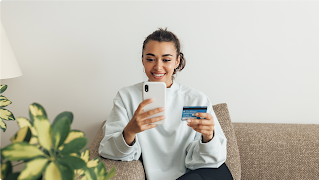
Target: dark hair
{"points": [[161, 35]]}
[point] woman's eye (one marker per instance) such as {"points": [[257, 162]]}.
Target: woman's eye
{"points": [[150, 59], [166, 60]]}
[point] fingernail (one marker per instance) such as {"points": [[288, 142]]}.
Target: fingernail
{"points": [[196, 114], [162, 109], [189, 121]]}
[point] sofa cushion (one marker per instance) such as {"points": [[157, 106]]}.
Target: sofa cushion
{"points": [[278, 151], [233, 158]]}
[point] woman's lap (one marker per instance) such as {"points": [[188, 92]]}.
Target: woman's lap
{"points": [[221, 173]]}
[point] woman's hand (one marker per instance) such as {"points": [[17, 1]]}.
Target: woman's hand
{"points": [[204, 126], [139, 121]]}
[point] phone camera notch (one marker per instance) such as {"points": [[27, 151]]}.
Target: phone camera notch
{"points": [[146, 88]]}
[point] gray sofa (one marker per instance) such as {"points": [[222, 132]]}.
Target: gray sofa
{"points": [[255, 151]]}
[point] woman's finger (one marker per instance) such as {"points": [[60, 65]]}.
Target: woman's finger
{"points": [[140, 108], [200, 121], [152, 112], [202, 127], [149, 126], [155, 119], [204, 115]]}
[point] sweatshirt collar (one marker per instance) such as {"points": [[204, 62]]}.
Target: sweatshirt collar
{"points": [[173, 89]]}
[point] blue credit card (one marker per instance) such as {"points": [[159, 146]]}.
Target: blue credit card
{"points": [[189, 112]]}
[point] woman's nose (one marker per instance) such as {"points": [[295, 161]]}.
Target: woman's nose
{"points": [[158, 65]]}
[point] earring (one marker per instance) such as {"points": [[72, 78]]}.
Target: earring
{"points": [[143, 69]]}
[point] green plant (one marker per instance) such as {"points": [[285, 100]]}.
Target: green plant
{"points": [[50, 151], [4, 113]]}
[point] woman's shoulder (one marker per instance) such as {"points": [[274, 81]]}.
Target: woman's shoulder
{"points": [[132, 88], [192, 95], [190, 91]]}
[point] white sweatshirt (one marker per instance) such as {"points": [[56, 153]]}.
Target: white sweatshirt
{"points": [[168, 150]]}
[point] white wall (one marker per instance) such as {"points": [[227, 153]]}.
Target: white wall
{"points": [[261, 58]]}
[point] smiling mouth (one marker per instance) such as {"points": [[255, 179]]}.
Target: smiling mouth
{"points": [[158, 75]]}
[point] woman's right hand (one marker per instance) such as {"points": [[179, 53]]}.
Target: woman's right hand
{"points": [[139, 121]]}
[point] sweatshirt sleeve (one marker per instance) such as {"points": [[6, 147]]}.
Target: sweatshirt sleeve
{"points": [[207, 155], [113, 145]]}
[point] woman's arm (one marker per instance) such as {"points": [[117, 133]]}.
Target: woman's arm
{"points": [[140, 121], [120, 132], [113, 145], [209, 152]]}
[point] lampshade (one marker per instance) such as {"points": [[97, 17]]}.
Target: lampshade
{"points": [[8, 63]]}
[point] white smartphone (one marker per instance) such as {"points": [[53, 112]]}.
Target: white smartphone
{"points": [[156, 91]]}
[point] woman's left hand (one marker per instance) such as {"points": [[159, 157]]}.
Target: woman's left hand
{"points": [[204, 126]]}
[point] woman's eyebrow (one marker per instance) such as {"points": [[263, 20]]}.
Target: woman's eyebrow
{"points": [[150, 54]]}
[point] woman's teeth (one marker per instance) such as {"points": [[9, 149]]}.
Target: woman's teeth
{"points": [[158, 75]]}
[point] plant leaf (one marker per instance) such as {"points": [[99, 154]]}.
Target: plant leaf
{"points": [[6, 115], [52, 172], [100, 171], [4, 101], [21, 151], [6, 169], [66, 114], [60, 131], [74, 146], [23, 134], [33, 140], [33, 169], [22, 122], [1, 175], [42, 125], [3, 88], [85, 155], [3, 125], [13, 176], [110, 174], [79, 172], [93, 162], [72, 162], [66, 172], [36, 110], [2, 157], [73, 135], [89, 174], [44, 132]]}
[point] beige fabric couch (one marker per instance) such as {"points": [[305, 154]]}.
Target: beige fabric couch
{"points": [[255, 151]]}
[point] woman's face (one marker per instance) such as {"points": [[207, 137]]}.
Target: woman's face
{"points": [[159, 61]]}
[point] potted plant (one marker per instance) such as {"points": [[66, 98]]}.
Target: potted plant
{"points": [[4, 113], [50, 151]]}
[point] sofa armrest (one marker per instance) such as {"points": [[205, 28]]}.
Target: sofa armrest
{"points": [[278, 151], [124, 170]]}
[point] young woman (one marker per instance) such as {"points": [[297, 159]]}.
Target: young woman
{"points": [[182, 150]]}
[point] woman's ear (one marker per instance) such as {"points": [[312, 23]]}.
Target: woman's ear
{"points": [[177, 61]]}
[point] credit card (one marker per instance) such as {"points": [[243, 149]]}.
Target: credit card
{"points": [[190, 111]]}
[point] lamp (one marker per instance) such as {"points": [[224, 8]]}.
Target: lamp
{"points": [[8, 63], [9, 69]]}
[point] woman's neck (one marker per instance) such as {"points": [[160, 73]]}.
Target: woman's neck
{"points": [[170, 85]]}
